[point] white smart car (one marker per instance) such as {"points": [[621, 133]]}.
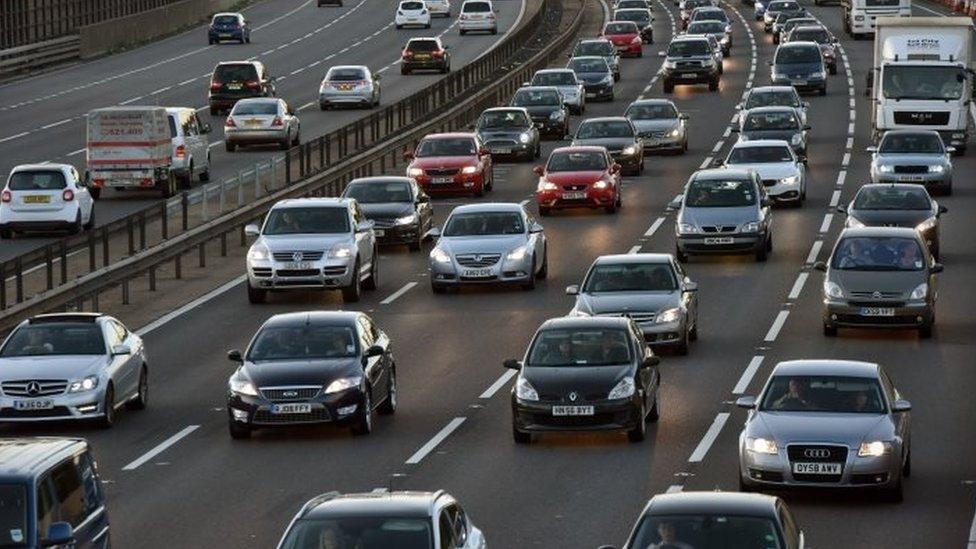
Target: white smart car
{"points": [[44, 197], [412, 13]]}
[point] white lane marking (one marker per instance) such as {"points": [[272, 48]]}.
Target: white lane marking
{"points": [[728, 131], [777, 326], [215, 143], [185, 82], [846, 160], [498, 384], [55, 124], [308, 105], [850, 143], [972, 535], [427, 448], [747, 375], [709, 438], [168, 317], [718, 146], [841, 175], [705, 163], [380, 490], [814, 251], [825, 225], [160, 448], [923, 8], [654, 227], [634, 249], [12, 137], [406, 288], [674, 488], [73, 153], [801, 279], [835, 199]]}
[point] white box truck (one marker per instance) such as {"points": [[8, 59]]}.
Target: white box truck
{"points": [[861, 16], [130, 148], [922, 78]]}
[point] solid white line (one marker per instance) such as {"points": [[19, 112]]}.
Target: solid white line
{"points": [[420, 454], [709, 438], [190, 306], [674, 488], [923, 8], [835, 199], [705, 163], [743, 383], [801, 279], [498, 384], [72, 153], [406, 288], [840, 178], [161, 447], [634, 249], [972, 535], [777, 326], [654, 227], [825, 226], [814, 251]]}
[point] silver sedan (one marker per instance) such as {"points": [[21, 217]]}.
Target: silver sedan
{"points": [[352, 85], [913, 156], [261, 120], [826, 423]]}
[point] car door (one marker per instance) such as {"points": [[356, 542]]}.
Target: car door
{"points": [[536, 241], [689, 299], [82, 195], [199, 143], [96, 515], [133, 363], [117, 364], [901, 420], [66, 491], [765, 210]]}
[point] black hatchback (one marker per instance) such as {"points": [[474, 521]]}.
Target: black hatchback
{"points": [[585, 374], [399, 209], [312, 368], [896, 205]]}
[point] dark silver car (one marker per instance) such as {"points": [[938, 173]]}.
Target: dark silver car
{"points": [[651, 289], [913, 156], [509, 131], [896, 205], [879, 277], [600, 47], [826, 423], [618, 136], [659, 125], [568, 85], [773, 96], [597, 77], [774, 123]]}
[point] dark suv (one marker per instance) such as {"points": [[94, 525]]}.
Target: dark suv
{"points": [[425, 54], [235, 80], [690, 60]]}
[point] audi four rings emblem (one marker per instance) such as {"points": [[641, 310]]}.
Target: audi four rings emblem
{"points": [[33, 388], [816, 453]]}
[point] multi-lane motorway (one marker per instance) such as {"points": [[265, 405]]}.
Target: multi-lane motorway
{"points": [[175, 478]]}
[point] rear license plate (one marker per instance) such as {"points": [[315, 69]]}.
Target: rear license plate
{"points": [[476, 273], [253, 123], [422, 57], [877, 311], [298, 266], [442, 180], [36, 404], [572, 410], [719, 240], [345, 87], [501, 150], [574, 195], [234, 86], [817, 468], [910, 178], [302, 408], [379, 232], [37, 199]]}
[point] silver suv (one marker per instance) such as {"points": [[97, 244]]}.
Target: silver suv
{"points": [[312, 244]]}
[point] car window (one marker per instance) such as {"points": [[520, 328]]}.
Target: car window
{"points": [[687, 48], [892, 198], [13, 515], [911, 143], [484, 224], [710, 15], [771, 120], [235, 73], [412, 6], [760, 155], [37, 180], [112, 335], [706, 27], [579, 65], [446, 527], [379, 192], [535, 98], [602, 49], [720, 193], [889, 388], [654, 111], [627, 27], [447, 146], [364, 532], [604, 129], [706, 532], [630, 277], [346, 74], [90, 483], [225, 20], [771, 99], [838, 394], [48, 511], [460, 524], [366, 338], [640, 17], [423, 45], [476, 7], [577, 347], [255, 108], [588, 161], [61, 338], [504, 119], [819, 36], [302, 343], [562, 78], [797, 54], [872, 253], [934, 82], [283, 221], [69, 493]]}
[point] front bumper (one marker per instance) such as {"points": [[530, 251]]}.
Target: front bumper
{"points": [[740, 243], [775, 471], [662, 142], [460, 183], [502, 272], [509, 147], [929, 180], [75, 406], [845, 314], [699, 75], [387, 234], [784, 192], [320, 275], [256, 411], [598, 91], [608, 415], [595, 198]]}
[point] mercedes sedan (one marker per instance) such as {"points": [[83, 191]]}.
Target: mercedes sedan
{"points": [[913, 156], [826, 423], [896, 205], [261, 120], [783, 173], [659, 125], [399, 209], [353, 85], [618, 135]]}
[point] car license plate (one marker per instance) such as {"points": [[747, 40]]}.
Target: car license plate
{"points": [[345, 87], [225, 35], [296, 408], [37, 199], [799, 82], [719, 240], [910, 178], [476, 273], [817, 468], [35, 404], [379, 232], [298, 265], [253, 123], [422, 56], [234, 86], [591, 94], [574, 195], [689, 75], [501, 150], [442, 180], [877, 311], [572, 410]]}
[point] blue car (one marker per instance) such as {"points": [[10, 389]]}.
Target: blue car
{"points": [[229, 26]]}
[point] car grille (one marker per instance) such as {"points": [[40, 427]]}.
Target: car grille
{"points": [[47, 387], [574, 187], [317, 415], [876, 295], [478, 260], [718, 228], [57, 411], [303, 256], [661, 133], [442, 171], [913, 118], [640, 317], [835, 454], [286, 394], [383, 223], [903, 320], [297, 272], [687, 64], [261, 271], [857, 303], [911, 169]]}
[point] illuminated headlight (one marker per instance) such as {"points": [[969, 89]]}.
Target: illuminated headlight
{"points": [[795, 140], [608, 79], [243, 387], [82, 385], [885, 169], [675, 132], [340, 251], [927, 224], [415, 172], [939, 168], [601, 184], [920, 291], [468, 170], [762, 445], [708, 63], [407, 219], [829, 53], [438, 255], [259, 253], [524, 137], [687, 228], [750, 227], [832, 289], [668, 64], [547, 186], [668, 315], [524, 390], [630, 151], [792, 180], [623, 389], [875, 448], [518, 254], [853, 223], [725, 39], [342, 384]]}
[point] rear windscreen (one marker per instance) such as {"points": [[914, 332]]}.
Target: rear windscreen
{"points": [[422, 45], [225, 20], [37, 181], [235, 73], [477, 7]]}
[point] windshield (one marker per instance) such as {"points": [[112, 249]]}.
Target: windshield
{"points": [[225, 20], [52, 180], [589, 66], [839, 394], [719, 193], [504, 119], [783, 6], [536, 98], [580, 347], [692, 4], [638, 4], [566, 78], [13, 515], [631, 277], [710, 15], [577, 162], [302, 342], [361, 532], [659, 111], [600, 49], [818, 36], [794, 21], [380, 192], [620, 28], [775, 120], [484, 224], [637, 16], [55, 338], [881, 3], [706, 532], [875, 253], [760, 155], [447, 146], [706, 27], [911, 143], [798, 54], [423, 45], [307, 221], [892, 198], [772, 99], [345, 75], [603, 130], [688, 48], [255, 108]]}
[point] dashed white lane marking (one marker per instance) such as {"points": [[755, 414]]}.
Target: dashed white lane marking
{"points": [[380, 490], [747, 375], [841, 176], [73, 153], [427, 448], [308, 105], [777, 326], [835, 199], [801, 279], [406, 288], [728, 131], [825, 225], [160, 448], [814, 251], [654, 227], [12, 137], [55, 124], [675, 488], [706, 442], [850, 143], [498, 384], [705, 163], [846, 160], [634, 249], [718, 146]]}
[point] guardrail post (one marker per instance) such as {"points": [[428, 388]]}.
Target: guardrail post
{"points": [[64, 262], [223, 199], [164, 218], [48, 263], [203, 254], [288, 167], [243, 236], [223, 244], [105, 254], [142, 230], [178, 266], [152, 279], [328, 149], [3, 285], [185, 204], [257, 179], [125, 292], [94, 300], [203, 204], [128, 229], [18, 272], [91, 251]]}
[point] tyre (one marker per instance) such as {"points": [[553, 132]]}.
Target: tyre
{"points": [[210, 41], [655, 413], [167, 188], [544, 270], [823, 90], [297, 139], [238, 431], [255, 295], [283, 145], [480, 191], [680, 256], [108, 405], [925, 331], [364, 423], [520, 437], [77, 226], [398, 27], [832, 69], [544, 212], [461, 32], [762, 254], [205, 174], [416, 245], [352, 292], [681, 348], [437, 288], [745, 486], [404, 70], [389, 404], [639, 431], [494, 30], [324, 106], [829, 331], [895, 494], [693, 333], [373, 281], [530, 284], [231, 147], [142, 397], [214, 111], [186, 181], [906, 469], [612, 208], [95, 193], [713, 85]]}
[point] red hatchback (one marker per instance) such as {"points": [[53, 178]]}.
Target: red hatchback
{"points": [[578, 177], [451, 163], [626, 37]]}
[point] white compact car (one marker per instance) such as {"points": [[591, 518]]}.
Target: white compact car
{"points": [[477, 15], [43, 197], [440, 8], [191, 148], [412, 13], [783, 173]]}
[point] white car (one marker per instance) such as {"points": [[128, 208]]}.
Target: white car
{"points": [[412, 13], [44, 197], [477, 15], [782, 172], [439, 7], [191, 148]]}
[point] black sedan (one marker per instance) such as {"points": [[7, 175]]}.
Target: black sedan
{"points": [[585, 374], [399, 208], [897, 205], [509, 131], [312, 368], [546, 108]]}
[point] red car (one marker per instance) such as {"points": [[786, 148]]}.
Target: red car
{"points": [[451, 163], [626, 37], [578, 177]]}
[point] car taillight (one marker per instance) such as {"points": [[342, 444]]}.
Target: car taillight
{"points": [[252, 84], [216, 85], [407, 53], [229, 123], [68, 195], [439, 53], [181, 151], [277, 121], [6, 196]]}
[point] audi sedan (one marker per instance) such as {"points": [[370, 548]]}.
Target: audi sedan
{"points": [[352, 85], [779, 123], [801, 65], [896, 205], [626, 37], [783, 173], [826, 423], [913, 156], [578, 177], [659, 125], [497, 243], [546, 107], [618, 135], [399, 209], [509, 131], [585, 374], [451, 163], [308, 368], [651, 289], [258, 121]]}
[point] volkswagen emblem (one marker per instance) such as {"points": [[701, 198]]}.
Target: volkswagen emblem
{"points": [[296, 257], [290, 394], [876, 295], [33, 388], [816, 453], [477, 258], [573, 396]]}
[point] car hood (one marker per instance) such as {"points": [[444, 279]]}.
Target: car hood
{"points": [[444, 162], [595, 382], [905, 159], [785, 135], [648, 125], [790, 427], [591, 77], [387, 209], [882, 281], [301, 372], [615, 302], [499, 244], [611, 143], [49, 367], [501, 133], [891, 218], [280, 243], [797, 68], [771, 170], [719, 216]]}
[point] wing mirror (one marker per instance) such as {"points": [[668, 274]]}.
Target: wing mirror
{"points": [[842, 209], [676, 203], [121, 350], [691, 286], [806, 127], [615, 168], [901, 406], [748, 402], [943, 209], [572, 289], [423, 199], [871, 149], [651, 360], [765, 203], [483, 151], [734, 129], [432, 234], [252, 230], [512, 364], [682, 117], [364, 226], [206, 129], [936, 268], [950, 149], [539, 170], [408, 155], [374, 350], [662, 54], [535, 228], [234, 355], [820, 266]]}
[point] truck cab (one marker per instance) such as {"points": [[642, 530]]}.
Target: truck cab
{"points": [[860, 16]]}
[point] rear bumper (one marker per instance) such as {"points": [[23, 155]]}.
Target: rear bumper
{"points": [[39, 221], [256, 136], [475, 25]]}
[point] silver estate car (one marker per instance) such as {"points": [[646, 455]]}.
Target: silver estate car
{"points": [[68, 366], [880, 277], [826, 423], [913, 156], [261, 120], [353, 85], [651, 289], [781, 170], [568, 85], [659, 125], [488, 244], [312, 244]]}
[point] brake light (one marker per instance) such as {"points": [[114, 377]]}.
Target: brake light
{"points": [[68, 195], [229, 123], [277, 121], [181, 151], [6, 196], [216, 85], [439, 53], [252, 84], [407, 53], [98, 183]]}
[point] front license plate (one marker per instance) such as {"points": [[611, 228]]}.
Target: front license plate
{"points": [[298, 266], [817, 468], [719, 240], [574, 195], [799, 82], [476, 273], [442, 180], [591, 94], [37, 199], [689, 75], [877, 311], [572, 410], [302, 408], [225, 35], [379, 232], [910, 178], [501, 150], [36, 404]]}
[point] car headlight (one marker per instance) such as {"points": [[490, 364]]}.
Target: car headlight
{"points": [[556, 115], [524, 390], [407, 219], [920, 291], [939, 168], [608, 79], [630, 151], [259, 252], [518, 254], [792, 180], [675, 132], [818, 74], [927, 224], [623, 389], [668, 64], [438, 255], [884, 168], [687, 228], [795, 140], [668, 315], [415, 172], [859, 18], [342, 384], [547, 186], [82, 385], [524, 137], [340, 251], [832, 289], [876, 448], [762, 445], [708, 63], [468, 170], [601, 184], [853, 223], [750, 227], [243, 387]]}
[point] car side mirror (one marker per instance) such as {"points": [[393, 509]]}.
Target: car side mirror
{"points": [[59, 533], [252, 230], [377, 77], [433, 233], [950, 149], [364, 226], [936, 268], [770, 63], [539, 170], [675, 204], [820, 266], [535, 228], [943, 209], [842, 209], [408, 155], [483, 151], [871, 149], [234, 355], [662, 54], [652, 360], [469, 126], [734, 129], [572, 289], [747, 401], [121, 350], [446, 47], [691, 287], [805, 104], [374, 350], [615, 168], [683, 117], [806, 127], [901, 406], [423, 199], [512, 364]]}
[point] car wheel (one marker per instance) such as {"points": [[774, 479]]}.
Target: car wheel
{"points": [[823, 90], [544, 212], [255, 295], [210, 41], [639, 431], [829, 331], [693, 333], [214, 111], [95, 193], [668, 86], [283, 145], [205, 174], [186, 181], [681, 348], [77, 226], [353, 291], [762, 254], [142, 397], [297, 139], [538, 151], [612, 208], [521, 437], [713, 85], [832, 69], [374, 269], [895, 494], [404, 70], [925, 330], [390, 403], [231, 147], [238, 431], [530, 283], [364, 423], [745, 486], [544, 270], [108, 405], [655, 413], [398, 27], [461, 32], [480, 191], [416, 245]]}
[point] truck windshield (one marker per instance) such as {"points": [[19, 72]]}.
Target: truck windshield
{"points": [[920, 82]]}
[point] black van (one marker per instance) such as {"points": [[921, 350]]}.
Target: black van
{"points": [[51, 494]]}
